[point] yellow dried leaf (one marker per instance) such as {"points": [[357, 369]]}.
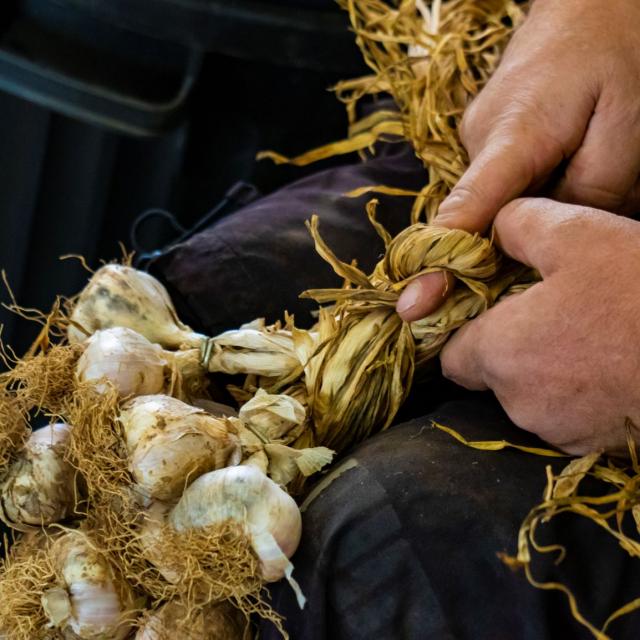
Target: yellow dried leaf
{"points": [[571, 476]]}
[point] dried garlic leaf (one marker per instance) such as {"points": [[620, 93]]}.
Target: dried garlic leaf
{"points": [[312, 460], [259, 460], [635, 512], [496, 445], [273, 415], [571, 476]]}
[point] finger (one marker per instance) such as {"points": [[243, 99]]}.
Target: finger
{"points": [[605, 168], [461, 357], [543, 233], [479, 354], [502, 171], [424, 295]]}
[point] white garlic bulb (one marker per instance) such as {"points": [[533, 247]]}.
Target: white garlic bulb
{"points": [[88, 601], [39, 487], [269, 516], [120, 296], [171, 443], [273, 415], [125, 359], [215, 622]]}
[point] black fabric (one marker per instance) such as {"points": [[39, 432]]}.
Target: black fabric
{"points": [[402, 543], [256, 262]]}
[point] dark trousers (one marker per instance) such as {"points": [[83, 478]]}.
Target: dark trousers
{"points": [[401, 540]]}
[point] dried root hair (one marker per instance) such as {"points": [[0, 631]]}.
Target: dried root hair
{"points": [[433, 60], [25, 573], [173, 619], [96, 444], [207, 566], [39, 383]]}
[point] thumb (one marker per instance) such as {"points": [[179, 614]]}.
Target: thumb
{"points": [[500, 172], [509, 164]]}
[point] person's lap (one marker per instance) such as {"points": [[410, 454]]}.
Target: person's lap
{"points": [[401, 540]]}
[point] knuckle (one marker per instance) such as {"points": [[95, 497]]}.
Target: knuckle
{"points": [[470, 123], [581, 191]]}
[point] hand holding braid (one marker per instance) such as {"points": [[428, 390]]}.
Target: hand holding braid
{"points": [[560, 115], [562, 357]]}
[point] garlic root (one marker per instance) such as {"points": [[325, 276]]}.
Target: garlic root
{"points": [[214, 622]]}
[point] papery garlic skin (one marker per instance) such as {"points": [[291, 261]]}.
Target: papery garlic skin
{"points": [[260, 352], [125, 359], [121, 296], [171, 443], [87, 601], [39, 487], [215, 622], [273, 415], [269, 515], [149, 535]]}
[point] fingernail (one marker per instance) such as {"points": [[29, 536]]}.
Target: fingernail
{"points": [[450, 205], [410, 297]]}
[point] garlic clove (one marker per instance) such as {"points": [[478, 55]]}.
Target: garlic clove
{"points": [[40, 487], [120, 296], [125, 359], [149, 535]]}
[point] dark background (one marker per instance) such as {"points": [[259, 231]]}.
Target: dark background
{"points": [[111, 107]]}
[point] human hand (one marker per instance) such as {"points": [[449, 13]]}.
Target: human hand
{"points": [[561, 113], [563, 357]]}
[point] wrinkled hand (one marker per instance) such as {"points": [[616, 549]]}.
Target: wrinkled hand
{"points": [[563, 358], [561, 114]]}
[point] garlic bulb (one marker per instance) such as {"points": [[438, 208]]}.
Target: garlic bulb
{"points": [[125, 359], [273, 415], [39, 488], [88, 600], [120, 296], [171, 443], [269, 516], [215, 622]]}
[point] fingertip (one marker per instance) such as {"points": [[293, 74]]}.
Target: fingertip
{"points": [[460, 211], [424, 295]]}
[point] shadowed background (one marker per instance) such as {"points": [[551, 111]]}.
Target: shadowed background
{"points": [[108, 108]]}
